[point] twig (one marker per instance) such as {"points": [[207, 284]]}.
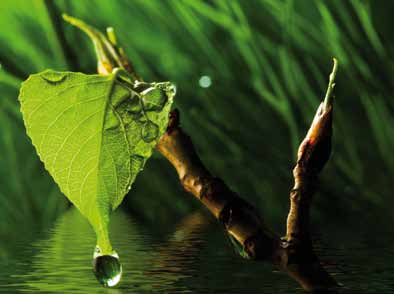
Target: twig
{"points": [[313, 153], [240, 219]]}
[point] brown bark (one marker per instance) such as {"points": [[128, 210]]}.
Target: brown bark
{"points": [[240, 218]]}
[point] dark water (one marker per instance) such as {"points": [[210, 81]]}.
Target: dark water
{"points": [[194, 257]]}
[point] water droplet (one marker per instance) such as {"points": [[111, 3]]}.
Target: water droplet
{"points": [[107, 269], [171, 90], [52, 77], [149, 131], [154, 99], [129, 106], [137, 162], [134, 105], [119, 94], [205, 82], [141, 119]]}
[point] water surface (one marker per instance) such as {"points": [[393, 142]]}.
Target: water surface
{"points": [[194, 256]]}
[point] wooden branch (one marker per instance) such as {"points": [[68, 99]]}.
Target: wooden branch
{"points": [[240, 219], [313, 153]]}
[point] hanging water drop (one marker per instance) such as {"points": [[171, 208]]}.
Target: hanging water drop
{"points": [[149, 131], [107, 268], [53, 77]]}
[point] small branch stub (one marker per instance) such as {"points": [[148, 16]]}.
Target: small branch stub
{"points": [[315, 149], [313, 153]]}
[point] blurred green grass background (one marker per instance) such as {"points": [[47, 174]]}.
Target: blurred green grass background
{"points": [[268, 62]]}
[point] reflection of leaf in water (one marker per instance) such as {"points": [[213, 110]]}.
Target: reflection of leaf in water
{"points": [[62, 265]]}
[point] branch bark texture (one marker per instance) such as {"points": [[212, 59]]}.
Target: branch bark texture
{"points": [[294, 253]]}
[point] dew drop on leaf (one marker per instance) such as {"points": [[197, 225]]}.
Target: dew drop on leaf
{"points": [[130, 106], [120, 93], [134, 105], [154, 99], [149, 131], [140, 118], [53, 77]]}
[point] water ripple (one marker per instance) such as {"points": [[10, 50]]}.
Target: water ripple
{"points": [[195, 258]]}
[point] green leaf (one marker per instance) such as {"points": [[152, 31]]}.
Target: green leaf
{"points": [[94, 134]]}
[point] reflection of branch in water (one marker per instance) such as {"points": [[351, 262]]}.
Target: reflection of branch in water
{"points": [[179, 252], [177, 259], [293, 254], [190, 226]]}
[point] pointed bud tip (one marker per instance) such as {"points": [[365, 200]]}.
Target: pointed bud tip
{"points": [[111, 35], [328, 99], [67, 17], [76, 22], [335, 66]]}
